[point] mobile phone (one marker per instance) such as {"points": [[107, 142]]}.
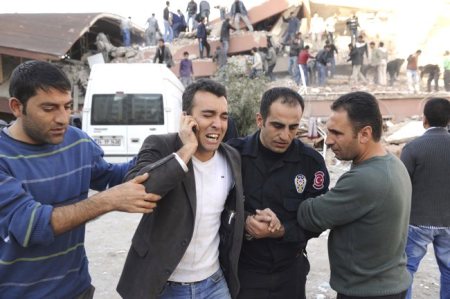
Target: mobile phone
{"points": [[194, 128]]}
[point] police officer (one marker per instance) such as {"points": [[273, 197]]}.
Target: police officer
{"points": [[278, 173]]}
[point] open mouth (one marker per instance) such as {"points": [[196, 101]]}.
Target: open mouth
{"points": [[212, 137]]}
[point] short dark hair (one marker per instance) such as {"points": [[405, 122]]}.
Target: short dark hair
{"points": [[287, 96], [161, 40], [185, 53], [31, 76], [381, 44], [362, 110], [437, 112], [207, 85]]}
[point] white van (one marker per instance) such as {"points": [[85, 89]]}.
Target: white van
{"points": [[125, 103]]}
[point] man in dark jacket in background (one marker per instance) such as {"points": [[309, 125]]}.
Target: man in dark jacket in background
{"points": [[393, 69], [278, 173], [427, 159], [356, 57], [202, 37], [163, 54], [225, 34], [192, 12], [293, 26], [433, 72]]}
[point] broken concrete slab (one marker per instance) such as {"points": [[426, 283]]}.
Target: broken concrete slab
{"points": [[406, 132]]}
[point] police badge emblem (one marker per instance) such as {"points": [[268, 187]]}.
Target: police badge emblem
{"points": [[300, 183]]}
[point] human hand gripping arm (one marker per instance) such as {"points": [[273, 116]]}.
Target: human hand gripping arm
{"points": [[127, 197]]}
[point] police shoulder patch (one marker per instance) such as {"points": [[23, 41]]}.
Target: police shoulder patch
{"points": [[319, 179], [300, 183]]}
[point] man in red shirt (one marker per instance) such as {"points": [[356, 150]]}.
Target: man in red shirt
{"points": [[302, 61]]}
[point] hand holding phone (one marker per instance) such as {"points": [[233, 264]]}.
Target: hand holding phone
{"points": [[188, 129]]}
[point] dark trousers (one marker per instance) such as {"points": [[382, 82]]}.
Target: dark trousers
{"points": [[447, 80], [433, 77], [203, 43], [289, 283], [270, 72], [87, 294], [402, 295]]}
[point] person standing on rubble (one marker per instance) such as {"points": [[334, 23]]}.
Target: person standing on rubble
{"points": [[225, 34], [302, 61], [352, 25], [368, 210], [433, 72], [192, 12], [322, 61], [257, 64], [152, 29], [382, 67], [330, 27], [295, 47], [293, 26], [125, 26], [411, 72], [186, 70], [168, 32], [427, 159], [356, 57], [278, 173], [331, 58], [271, 58], [447, 70], [237, 12], [202, 37], [163, 54], [205, 10]]}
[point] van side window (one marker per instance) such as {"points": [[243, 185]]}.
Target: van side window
{"points": [[127, 109]]}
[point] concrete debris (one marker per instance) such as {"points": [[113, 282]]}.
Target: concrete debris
{"points": [[405, 132]]}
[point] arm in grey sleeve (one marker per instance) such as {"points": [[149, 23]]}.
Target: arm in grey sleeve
{"points": [[346, 202]]}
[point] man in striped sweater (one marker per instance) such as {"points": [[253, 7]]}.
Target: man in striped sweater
{"points": [[46, 171]]}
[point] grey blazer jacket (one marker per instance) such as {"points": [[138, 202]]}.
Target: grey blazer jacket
{"points": [[163, 236]]}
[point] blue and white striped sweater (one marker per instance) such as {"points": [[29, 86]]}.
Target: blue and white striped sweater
{"points": [[33, 180]]}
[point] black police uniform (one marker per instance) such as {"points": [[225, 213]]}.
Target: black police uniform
{"points": [[269, 267]]}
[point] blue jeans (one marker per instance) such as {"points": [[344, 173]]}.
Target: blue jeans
{"points": [[213, 287], [292, 67], [416, 248], [126, 37], [322, 70], [168, 32]]}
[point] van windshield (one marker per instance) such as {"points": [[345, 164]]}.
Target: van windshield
{"points": [[127, 109]]}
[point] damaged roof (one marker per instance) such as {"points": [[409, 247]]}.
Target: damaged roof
{"points": [[51, 36]]}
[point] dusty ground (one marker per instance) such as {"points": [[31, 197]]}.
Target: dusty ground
{"points": [[108, 239]]}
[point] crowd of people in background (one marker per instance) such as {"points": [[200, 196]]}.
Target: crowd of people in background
{"points": [[312, 57]]}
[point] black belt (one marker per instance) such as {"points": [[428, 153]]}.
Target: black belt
{"points": [[176, 283]]}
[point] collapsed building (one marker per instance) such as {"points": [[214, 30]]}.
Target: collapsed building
{"points": [[66, 39]]}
